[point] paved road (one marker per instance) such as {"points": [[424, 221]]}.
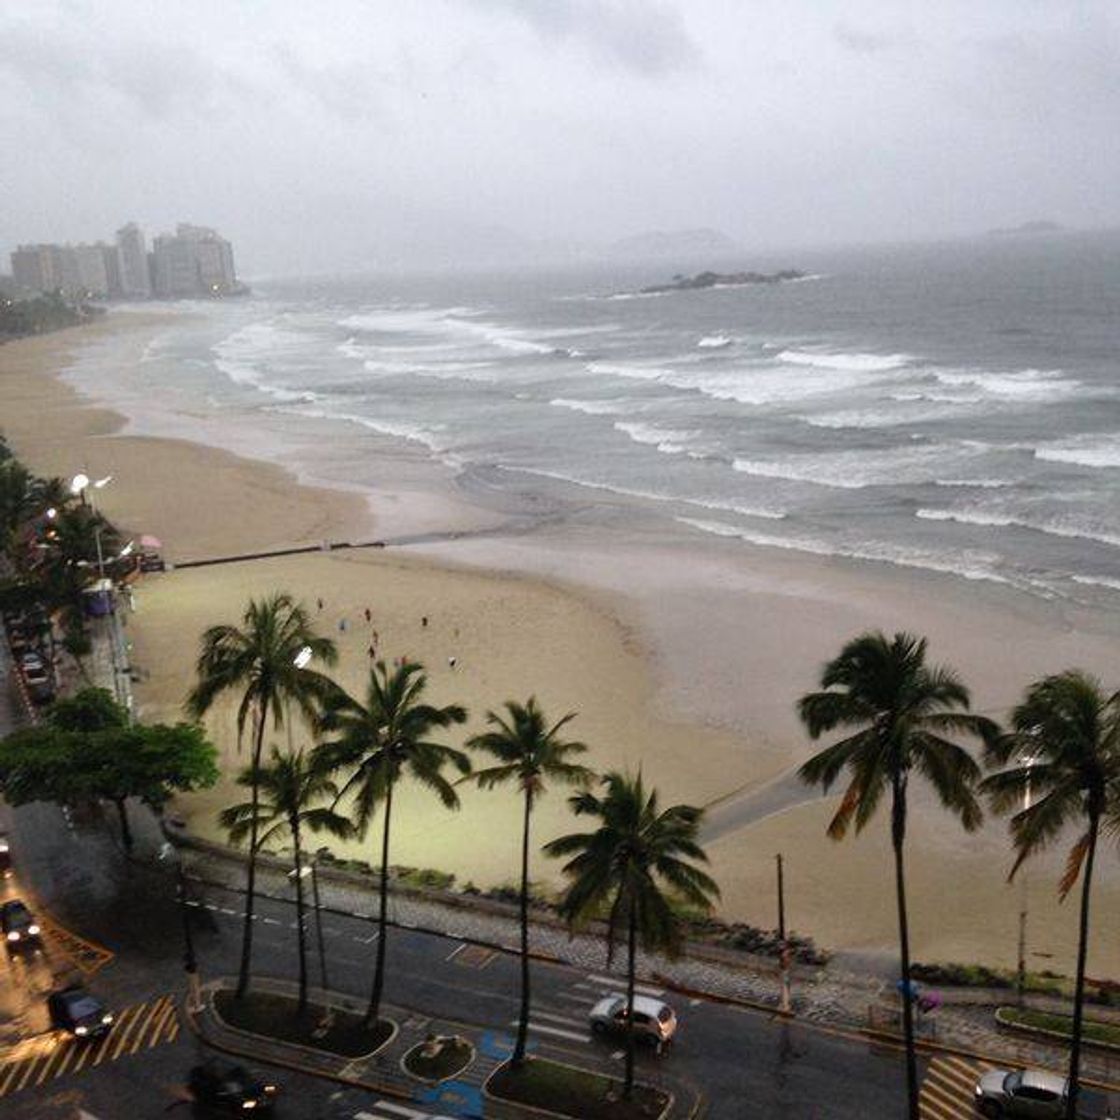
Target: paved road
{"points": [[747, 1063]]}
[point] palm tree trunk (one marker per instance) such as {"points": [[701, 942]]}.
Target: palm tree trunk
{"points": [[301, 925], [1079, 989], [373, 1013], [523, 1021], [126, 831], [898, 835], [631, 954], [251, 883]]}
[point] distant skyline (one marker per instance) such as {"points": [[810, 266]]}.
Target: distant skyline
{"points": [[351, 134]]}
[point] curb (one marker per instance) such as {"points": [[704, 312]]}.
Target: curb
{"points": [[1045, 1033]]}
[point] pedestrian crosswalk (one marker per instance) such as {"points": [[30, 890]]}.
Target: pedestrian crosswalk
{"points": [[46, 1057], [391, 1110], [563, 1014], [949, 1088]]}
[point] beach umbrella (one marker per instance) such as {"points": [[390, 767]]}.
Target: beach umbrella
{"points": [[150, 542]]}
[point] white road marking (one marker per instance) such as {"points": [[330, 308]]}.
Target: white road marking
{"points": [[618, 984], [540, 1028], [552, 1018]]}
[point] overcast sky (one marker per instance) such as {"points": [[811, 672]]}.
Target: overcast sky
{"points": [[314, 132]]}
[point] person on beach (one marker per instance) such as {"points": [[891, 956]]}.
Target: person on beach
{"points": [[424, 621], [319, 602], [342, 626], [369, 616], [452, 662]]}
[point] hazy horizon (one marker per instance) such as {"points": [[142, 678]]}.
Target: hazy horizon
{"points": [[354, 136]]}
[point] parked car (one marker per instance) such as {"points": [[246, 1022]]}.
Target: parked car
{"points": [[229, 1087], [654, 1021], [79, 1013], [37, 677], [1036, 1094], [5, 856], [19, 927]]}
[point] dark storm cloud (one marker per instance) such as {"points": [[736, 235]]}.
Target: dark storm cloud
{"points": [[156, 80], [454, 127]]}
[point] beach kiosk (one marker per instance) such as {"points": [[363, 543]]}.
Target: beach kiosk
{"points": [[98, 600]]}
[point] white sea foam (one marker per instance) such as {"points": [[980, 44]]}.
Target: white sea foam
{"points": [[854, 470], [426, 435], [246, 355], [1027, 384], [665, 440], [967, 565], [1067, 526], [937, 398], [1101, 452], [760, 383], [613, 407], [714, 342], [1098, 581], [763, 512], [981, 483], [861, 363]]}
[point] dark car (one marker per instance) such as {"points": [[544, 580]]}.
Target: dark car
{"points": [[78, 1013], [227, 1087], [20, 929]]}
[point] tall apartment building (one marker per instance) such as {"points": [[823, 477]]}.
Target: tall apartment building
{"points": [[193, 261], [136, 277], [38, 267], [75, 270]]}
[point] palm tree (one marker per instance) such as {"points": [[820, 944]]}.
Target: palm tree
{"points": [[289, 792], [899, 711], [378, 742], [1065, 748], [527, 752], [633, 867], [266, 659]]}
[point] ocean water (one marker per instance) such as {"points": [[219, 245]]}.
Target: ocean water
{"points": [[951, 407]]}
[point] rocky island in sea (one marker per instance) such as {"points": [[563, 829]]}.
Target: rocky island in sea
{"points": [[723, 280]]}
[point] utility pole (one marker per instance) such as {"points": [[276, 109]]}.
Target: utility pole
{"points": [[189, 961], [319, 921], [783, 959]]}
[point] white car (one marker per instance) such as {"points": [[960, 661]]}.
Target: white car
{"points": [[1035, 1094], [654, 1021]]}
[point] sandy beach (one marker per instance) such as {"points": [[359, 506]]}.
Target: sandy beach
{"points": [[685, 662]]}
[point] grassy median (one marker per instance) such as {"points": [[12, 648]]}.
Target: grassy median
{"points": [[276, 1016], [1092, 1030], [574, 1092]]}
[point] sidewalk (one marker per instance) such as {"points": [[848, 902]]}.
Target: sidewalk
{"points": [[462, 1095], [829, 997]]}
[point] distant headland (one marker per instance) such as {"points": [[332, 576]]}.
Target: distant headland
{"points": [[1026, 229], [724, 280]]}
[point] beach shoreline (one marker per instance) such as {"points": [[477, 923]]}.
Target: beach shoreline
{"points": [[684, 660]]}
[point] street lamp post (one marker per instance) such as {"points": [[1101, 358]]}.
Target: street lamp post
{"points": [[190, 961], [1021, 975]]}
